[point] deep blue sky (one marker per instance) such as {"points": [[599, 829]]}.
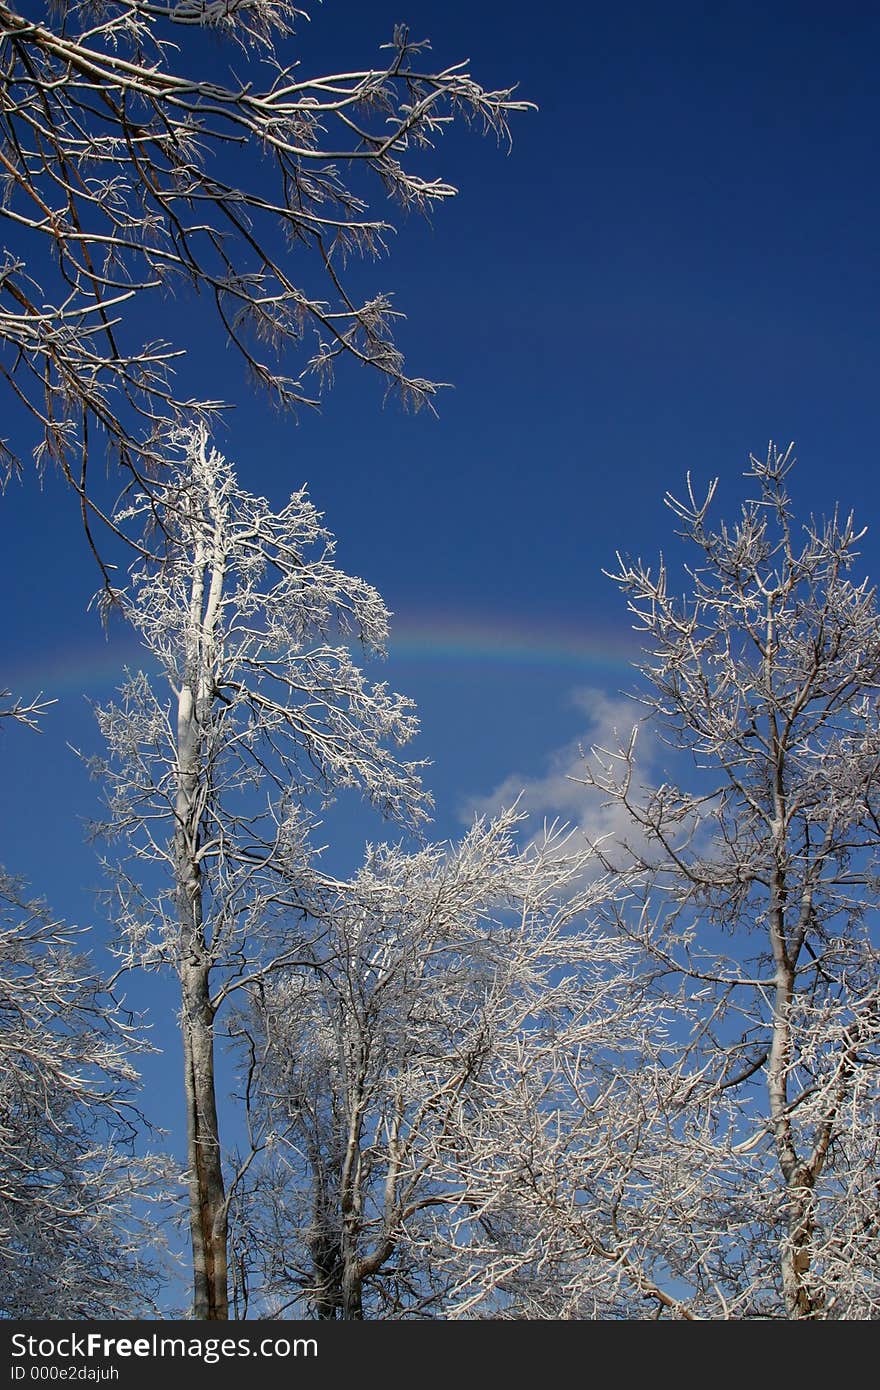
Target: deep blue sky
{"points": [[677, 262]]}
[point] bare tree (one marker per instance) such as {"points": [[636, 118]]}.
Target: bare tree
{"points": [[130, 165], [71, 1244], [759, 1140], [259, 717], [451, 982]]}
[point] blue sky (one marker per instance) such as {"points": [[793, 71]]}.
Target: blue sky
{"points": [[676, 263]]}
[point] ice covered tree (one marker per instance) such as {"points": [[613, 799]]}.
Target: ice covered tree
{"points": [[72, 1244], [453, 989], [256, 718], [760, 869], [137, 158]]}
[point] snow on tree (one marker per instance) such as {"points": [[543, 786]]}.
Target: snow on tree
{"points": [[71, 1242], [451, 984], [754, 1180], [133, 160], [216, 768]]}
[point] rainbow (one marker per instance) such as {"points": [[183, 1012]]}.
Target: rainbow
{"points": [[488, 640], [504, 639]]}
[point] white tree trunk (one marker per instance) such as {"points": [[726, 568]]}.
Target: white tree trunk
{"points": [[207, 1196]]}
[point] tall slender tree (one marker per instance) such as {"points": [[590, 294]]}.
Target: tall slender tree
{"points": [[760, 873], [258, 717]]}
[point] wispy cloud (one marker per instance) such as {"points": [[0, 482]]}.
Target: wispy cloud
{"points": [[559, 792]]}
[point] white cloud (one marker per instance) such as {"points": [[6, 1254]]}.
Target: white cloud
{"points": [[558, 793]]}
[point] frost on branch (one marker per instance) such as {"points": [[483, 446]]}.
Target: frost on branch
{"points": [[29, 713], [251, 623], [134, 165]]}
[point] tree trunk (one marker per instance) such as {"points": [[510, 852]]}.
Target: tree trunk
{"points": [[325, 1256], [207, 1197], [352, 1291], [796, 1259], [802, 1298]]}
